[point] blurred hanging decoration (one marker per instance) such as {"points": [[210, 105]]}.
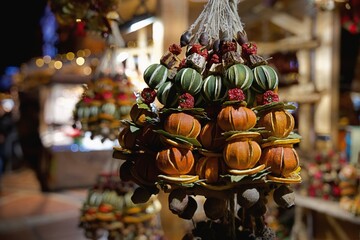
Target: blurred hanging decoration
{"points": [[110, 95], [220, 130], [92, 15], [108, 212], [350, 16]]}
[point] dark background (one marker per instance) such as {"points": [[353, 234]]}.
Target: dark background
{"points": [[21, 31]]}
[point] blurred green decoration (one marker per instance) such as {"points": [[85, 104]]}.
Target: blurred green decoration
{"points": [[109, 212], [93, 13], [108, 97]]}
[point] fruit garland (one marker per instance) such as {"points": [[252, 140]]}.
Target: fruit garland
{"points": [[110, 94], [220, 131], [106, 99], [86, 15], [109, 207]]}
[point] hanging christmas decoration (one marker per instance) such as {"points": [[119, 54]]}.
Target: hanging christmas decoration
{"points": [[220, 130], [84, 14], [110, 94], [109, 212]]}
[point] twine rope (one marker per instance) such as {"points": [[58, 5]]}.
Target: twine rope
{"points": [[219, 20]]}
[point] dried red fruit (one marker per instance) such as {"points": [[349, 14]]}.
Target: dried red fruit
{"points": [[196, 48], [270, 96], [215, 58], [199, 49], [148, 95], [228, 46], [175, 49], [121, 96], [87, 99], [249, 48], [107, 95], [236, 94], [186, 100]]}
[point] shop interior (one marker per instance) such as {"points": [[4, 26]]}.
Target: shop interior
{"points": [[76, 69]]}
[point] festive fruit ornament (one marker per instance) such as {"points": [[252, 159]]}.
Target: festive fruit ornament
{"points": [[189, 80], [223, 132], [236, 118], [265, 78], [277, 123], [121, 209], [128, 136], [210, 168], [182, 124], [211, 137], [175, 161], [280, 156], [167, 94], [242, 152], [238, 76], [213, 89], [155, 75], [106, 99], [139, 114]]}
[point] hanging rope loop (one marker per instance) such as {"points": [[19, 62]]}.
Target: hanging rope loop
{"points": [[218, 20]]}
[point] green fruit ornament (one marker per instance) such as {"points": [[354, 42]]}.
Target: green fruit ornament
{"points": [[238, 76], [167, 94], [155, 75], [213, 89], [265, 78], [189, 80]]}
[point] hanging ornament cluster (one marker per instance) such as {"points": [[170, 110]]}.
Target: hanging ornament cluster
{"points": [[109, 211], [106, 99], [220, 131], [93, 14]]}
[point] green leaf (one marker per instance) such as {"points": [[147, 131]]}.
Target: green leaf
{"points": [[253, 177], [143, 106], [291, 136], [134, 129], [196, 112], [235, 102], [268, 107], [179, 138], [260, 109]]}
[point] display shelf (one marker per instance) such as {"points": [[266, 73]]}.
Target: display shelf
{"points": [[327, 207]]}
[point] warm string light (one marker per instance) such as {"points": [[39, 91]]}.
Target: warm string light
{"points": [[80, 59]]}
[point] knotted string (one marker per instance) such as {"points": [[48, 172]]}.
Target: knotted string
{"points": [[218, 20]]}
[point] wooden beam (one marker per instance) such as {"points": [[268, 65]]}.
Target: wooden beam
{"points": [[291, 24], [287, 44]]}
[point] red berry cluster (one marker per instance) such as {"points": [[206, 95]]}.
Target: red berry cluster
{"points": [[228, 46], [249, 48], [199, 49], [148, 95], [269, 97], [236, 94], [175, 49], [186, 100]]}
